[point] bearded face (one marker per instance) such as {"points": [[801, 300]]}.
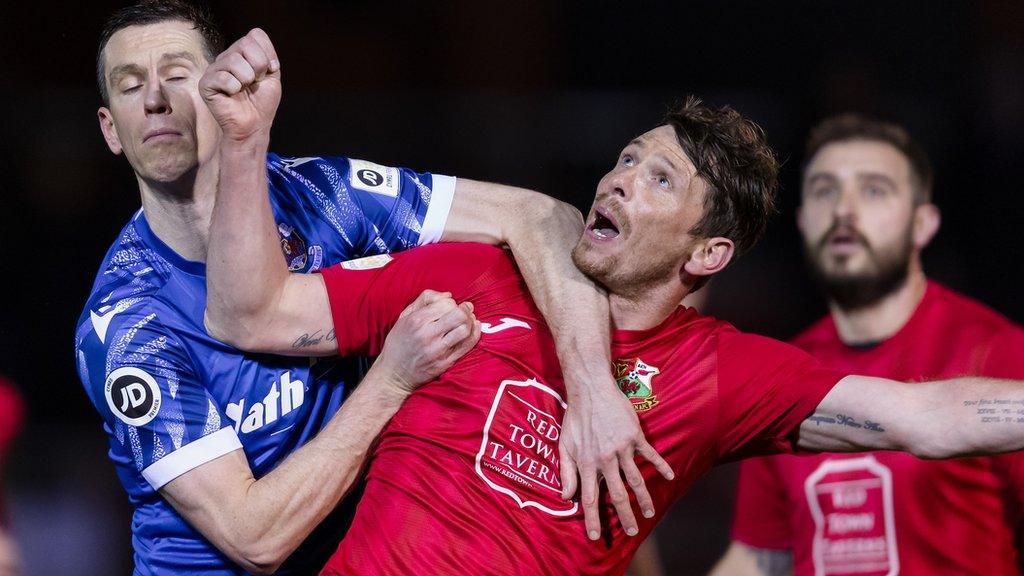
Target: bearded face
{"points": [[857, 221]]}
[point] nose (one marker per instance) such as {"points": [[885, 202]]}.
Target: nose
{"points": [[156, 101], [622, 183], [844, 207]]}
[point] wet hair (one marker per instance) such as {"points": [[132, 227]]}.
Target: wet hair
{"points": [[152, 12]]}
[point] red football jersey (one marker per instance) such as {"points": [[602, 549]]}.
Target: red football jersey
{"points": [[885, 513], [465, 477]]}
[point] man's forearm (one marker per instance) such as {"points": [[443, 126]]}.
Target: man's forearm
{"points": [[576, 310], [941, 419], [541, 231], [261, 522], [979, 416], [245, 270]]}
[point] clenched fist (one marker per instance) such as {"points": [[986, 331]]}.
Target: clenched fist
{"points": [[242, 87]]}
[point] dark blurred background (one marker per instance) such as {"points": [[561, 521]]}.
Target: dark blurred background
{"points": [[538, 94]]}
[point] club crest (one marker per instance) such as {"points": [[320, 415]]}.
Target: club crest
{"points": [[634, 379], [293, 246]]}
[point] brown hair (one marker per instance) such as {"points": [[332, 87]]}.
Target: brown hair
{"points": [[732, 155], [847, 127], [152, 12]]}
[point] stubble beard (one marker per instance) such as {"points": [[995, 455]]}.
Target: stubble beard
{"points": [[629, 282]]}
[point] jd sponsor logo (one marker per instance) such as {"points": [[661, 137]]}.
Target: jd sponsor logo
{"points": [[284, 396], [369, 177], [132, 395]]}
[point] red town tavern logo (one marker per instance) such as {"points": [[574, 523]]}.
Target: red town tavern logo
{"points": [[634, 379]]}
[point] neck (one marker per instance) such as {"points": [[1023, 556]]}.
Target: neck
{"points": [[882, 319], [646, 308], [179, 212]]}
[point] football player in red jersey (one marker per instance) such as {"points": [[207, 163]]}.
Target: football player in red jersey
{"points": [[463, 478], [866, 214]]}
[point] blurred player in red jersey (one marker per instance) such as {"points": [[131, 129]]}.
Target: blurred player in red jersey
{"points": [[11, 417], [866, 215]]}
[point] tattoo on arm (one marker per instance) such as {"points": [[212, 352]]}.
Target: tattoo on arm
{"points": [[998, 410], [306, 340], [773, 562], [844, 420]]}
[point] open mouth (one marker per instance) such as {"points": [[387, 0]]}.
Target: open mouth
{"points": [[603, 226]]}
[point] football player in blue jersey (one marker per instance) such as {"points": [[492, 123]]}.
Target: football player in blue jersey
{"points": [[232, 459]]}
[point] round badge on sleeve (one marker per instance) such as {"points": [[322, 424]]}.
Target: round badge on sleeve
{"points": [[132, 395]]}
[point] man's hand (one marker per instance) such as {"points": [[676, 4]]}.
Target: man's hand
{"points": [[430, 335], [601, 435], [242, 87]]}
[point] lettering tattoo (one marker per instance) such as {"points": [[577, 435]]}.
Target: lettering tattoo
{"points": [[307, 340], [773, 562], [844, 420], [997, 410]]}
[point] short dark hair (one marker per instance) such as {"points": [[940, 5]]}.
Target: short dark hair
{"points": [[732, 156], [152, 12], [848, 127]]}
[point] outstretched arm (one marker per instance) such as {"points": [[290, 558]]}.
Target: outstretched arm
{"points": [[942, 419]]}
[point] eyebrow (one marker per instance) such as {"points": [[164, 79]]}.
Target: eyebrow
{"points": [[126, 69], [875, 176], [641, 144], [820, 176]]}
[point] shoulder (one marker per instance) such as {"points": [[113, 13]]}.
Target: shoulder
{"points": [[134, 333], [821, 333], [964, 310]]}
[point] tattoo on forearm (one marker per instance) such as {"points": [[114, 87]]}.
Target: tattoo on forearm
{"points": [[774, 562], [307, 340], [844, 420], [998, 410]]}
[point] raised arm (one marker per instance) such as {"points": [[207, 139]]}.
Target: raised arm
{"points": [[932, 420], [259, 522]]}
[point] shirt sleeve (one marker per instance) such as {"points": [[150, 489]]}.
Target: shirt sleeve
{"points": [[367, 295], [162, 420], [766, 390], [761, 516], [366, 208]]}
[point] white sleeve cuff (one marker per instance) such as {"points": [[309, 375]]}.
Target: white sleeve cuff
{"points": [[191, 455], [441, 194]]}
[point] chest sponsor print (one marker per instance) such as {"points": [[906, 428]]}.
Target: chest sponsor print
{"points": [[851, 504], [518, 454]]}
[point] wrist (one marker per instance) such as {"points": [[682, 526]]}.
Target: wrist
{"points": [[388, 384], [255, 143]]}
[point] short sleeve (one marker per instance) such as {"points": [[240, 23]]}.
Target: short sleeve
{"points": [[766, 390], [367, 295], [363, 207], [761, 518], [162, 420]]}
